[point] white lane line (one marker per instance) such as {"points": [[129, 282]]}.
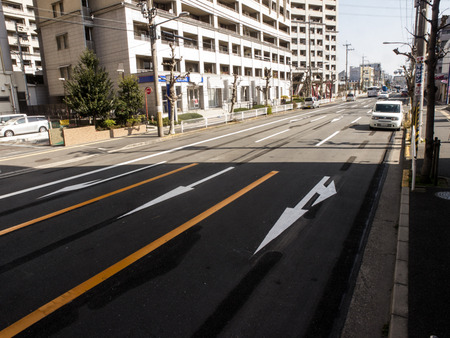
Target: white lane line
{"points": [[329, 137], [337, 119], [340, 111], [175, 192], [319, 118], [355, 120], [369, 112], [92, 183], [57, 164], [149, 156], [265, 138]]}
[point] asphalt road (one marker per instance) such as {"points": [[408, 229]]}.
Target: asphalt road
{"points": [[249, 229]]}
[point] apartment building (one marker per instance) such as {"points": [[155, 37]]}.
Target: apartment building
{"points": [[314, 41], [23, 41], [218, 39]]}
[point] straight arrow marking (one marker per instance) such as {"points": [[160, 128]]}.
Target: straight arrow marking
{"points": [[175, 192], [291, 215]]}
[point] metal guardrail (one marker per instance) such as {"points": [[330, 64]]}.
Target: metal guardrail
{"points": [[205, 122]]}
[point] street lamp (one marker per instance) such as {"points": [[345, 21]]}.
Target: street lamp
{"points": [[150, 14]]}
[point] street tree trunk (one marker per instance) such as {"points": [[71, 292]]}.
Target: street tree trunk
{"points": [[233, 94], [431, 93]]}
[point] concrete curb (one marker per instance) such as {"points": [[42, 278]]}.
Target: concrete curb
{"points": [[398, 327]]}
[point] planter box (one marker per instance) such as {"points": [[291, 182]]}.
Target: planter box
{"points": [[73, 136]]}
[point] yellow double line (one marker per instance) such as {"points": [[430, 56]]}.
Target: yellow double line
{"points": [[82, 288]]}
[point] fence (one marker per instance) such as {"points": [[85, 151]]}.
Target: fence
{"points": [[205, 122]]}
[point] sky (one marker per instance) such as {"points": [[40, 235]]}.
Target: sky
{"points": [[366, 24]]}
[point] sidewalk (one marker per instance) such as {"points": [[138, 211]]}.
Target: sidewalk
{"points": [[429, 244]]}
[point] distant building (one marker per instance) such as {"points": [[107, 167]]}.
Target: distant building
{"points": [[314, 41], [22, 35], [218, 39], [12, 84]]}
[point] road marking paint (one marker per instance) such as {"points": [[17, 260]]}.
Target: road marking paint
{"points": [[291, 215], [329, 137], [92, 183], [265, 138], [337, 119], [148, 156], [82, 204], [319, 118], [340, 111], [356, 120], [57, 164], [175, 192], [369, 112], [69, 296]]}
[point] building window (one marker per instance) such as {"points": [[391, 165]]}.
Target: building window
{"points": [[65, 72], [62, 41], [58, 9], [214, 97]]}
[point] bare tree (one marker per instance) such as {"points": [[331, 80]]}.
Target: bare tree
{"points": [[173, 97], [434, 54], [265, 90], [234, 93]]}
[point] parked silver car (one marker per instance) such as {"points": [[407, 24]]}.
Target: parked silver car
{"points": [[311, 102], [24, 125]]}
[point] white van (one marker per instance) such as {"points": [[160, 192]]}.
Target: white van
{"points": [[7, 117], [387, 114]]}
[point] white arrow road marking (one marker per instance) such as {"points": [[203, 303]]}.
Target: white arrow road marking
{"points": [[291, 215], [175, 192], [337, 119], [329, 137], [265, 138], [356, 120], [149, 156], [95, 182]]}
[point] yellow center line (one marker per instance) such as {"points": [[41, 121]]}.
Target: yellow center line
{"points": [[82, 288], [82, 204]]}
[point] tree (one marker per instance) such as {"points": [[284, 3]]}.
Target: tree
{"points": [[434, 54], [265, 90], [234, 93], [89, 92], [173, 97], [130, 100]]}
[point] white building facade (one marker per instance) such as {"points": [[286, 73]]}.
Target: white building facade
{"points": [[218, 39], [23, 41], [314, 47]]}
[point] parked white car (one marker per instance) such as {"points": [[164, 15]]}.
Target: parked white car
{"points": [[387, 114], [311, 102], [6, 117], [24, 125]]}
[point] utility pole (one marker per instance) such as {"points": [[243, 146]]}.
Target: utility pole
{"points": [[417, 105], [347, 49], [363, 72], [149, 12]]}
